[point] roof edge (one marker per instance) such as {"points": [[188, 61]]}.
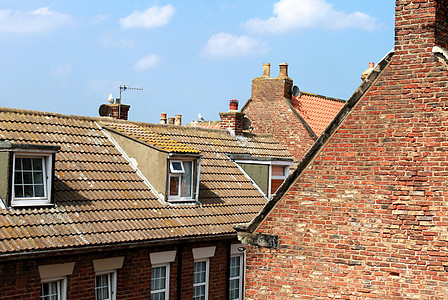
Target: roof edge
{"points": [[324, 97], [318, 145], [302, 120]]}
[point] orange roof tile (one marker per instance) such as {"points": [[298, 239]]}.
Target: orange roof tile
{"points": [[318, 111]]}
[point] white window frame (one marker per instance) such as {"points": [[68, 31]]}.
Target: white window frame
{"points": [[166, 290], [61, 287], [178, 174], [239, 277], [235, 252], [112, 281], [47, 167], [206, 282]]}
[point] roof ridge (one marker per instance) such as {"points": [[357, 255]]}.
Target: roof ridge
{"points": [[324, 97]]}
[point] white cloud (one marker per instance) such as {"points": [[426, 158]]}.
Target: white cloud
{"points": [[147, 62], [298, 14], [61, 71], [36, 21], [152, 17], [109, 40], [227, 45]]}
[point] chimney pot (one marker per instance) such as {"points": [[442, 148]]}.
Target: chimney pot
{"points": [[163, 118], [233, 104], [178, 120], [283, 70], [171, 120], [267, 69], [371, 65]]}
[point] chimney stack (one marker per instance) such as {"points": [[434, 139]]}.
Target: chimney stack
{"points": [[178, 120], [116, 110], [266, 88], [233, 120], [163, 118]]}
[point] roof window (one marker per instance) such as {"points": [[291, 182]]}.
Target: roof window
{"points": [[28, 171]]}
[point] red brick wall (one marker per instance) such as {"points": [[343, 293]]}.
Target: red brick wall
{"points": [[369, 219], [21, 279], [269, 114]]}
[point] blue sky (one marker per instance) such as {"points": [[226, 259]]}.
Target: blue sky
{"points": [[189, 57]]}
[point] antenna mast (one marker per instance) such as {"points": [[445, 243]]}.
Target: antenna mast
{"points": [[125, 88]]}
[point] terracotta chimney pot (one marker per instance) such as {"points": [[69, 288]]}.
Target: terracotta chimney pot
{"points": [[163, 118], [178, 120], [283, 70], [233, 104], [171, 120], [267, 70]]}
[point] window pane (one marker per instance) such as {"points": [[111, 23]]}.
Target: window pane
{"points": [[37, 164], [174, 186], [17, 177], [158, 278], [176, 166], [158, 296], [200, 269], [102, 287], [39, 190], [29, 192], [18, 191], [199, 292], [187, 179], [234, 289], [235, 266], [49, 291], [278, 171], [18, 164], [26, 163], [28, 177], [38, 177]]}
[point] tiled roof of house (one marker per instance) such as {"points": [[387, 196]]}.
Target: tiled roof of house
{"points": [[101, 200], [317, 111], [206, 124], [156, 140]]}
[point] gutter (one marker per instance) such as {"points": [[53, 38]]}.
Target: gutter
{"points": [[113, 247]]}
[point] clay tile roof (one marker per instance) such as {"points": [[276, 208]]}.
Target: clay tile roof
{"points": [[154, 139], [101, 200], [318, 111], [206, 124]]}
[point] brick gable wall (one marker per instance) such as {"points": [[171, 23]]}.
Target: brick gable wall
{"points": [[369, 219]]}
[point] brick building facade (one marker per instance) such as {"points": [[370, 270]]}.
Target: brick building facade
{"points": [[364, 216]]}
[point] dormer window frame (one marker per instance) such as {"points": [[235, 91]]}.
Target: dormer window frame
{"points": [[34, 187], [47, 159], [176, 173]]}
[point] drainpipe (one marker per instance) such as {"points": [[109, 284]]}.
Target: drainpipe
{"points": [[199, 176], [179, 272]]}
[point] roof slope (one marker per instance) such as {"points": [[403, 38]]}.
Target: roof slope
{"points": [[100, 198], [317, 111]]}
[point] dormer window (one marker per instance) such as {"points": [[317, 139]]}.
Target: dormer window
{"points": [[31, 180], [181, 180], [28, 171]]}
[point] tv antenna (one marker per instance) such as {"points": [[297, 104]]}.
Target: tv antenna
{"points": [[124, 88]]}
